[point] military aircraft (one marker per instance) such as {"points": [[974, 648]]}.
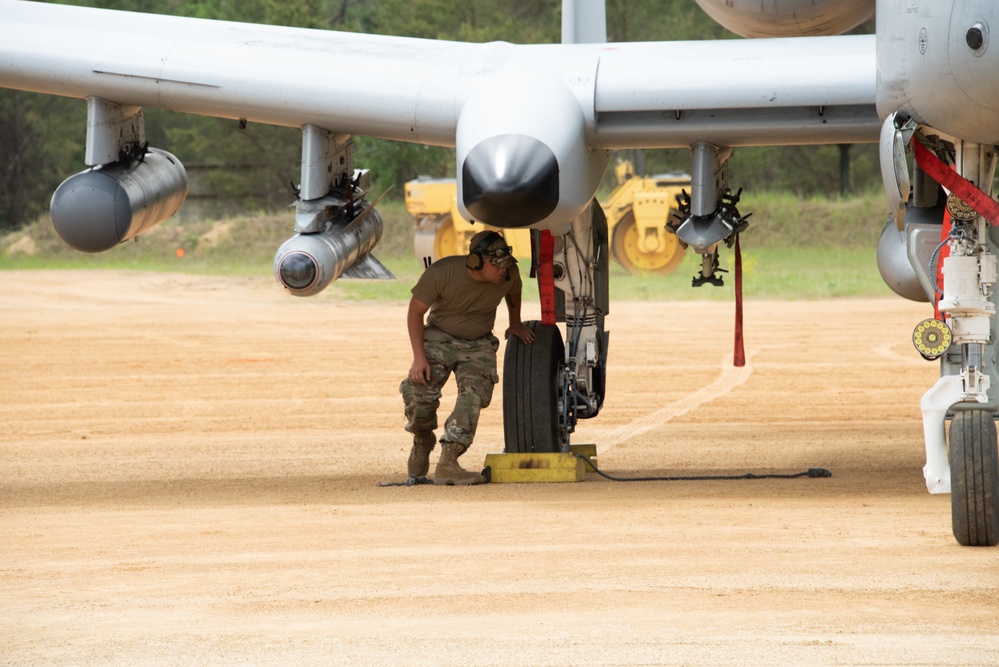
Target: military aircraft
{"points": [[533, 127]]}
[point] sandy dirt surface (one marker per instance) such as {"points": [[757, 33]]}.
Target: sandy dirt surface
{"points": [[190, 471]]}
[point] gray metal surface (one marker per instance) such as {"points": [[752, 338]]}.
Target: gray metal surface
{"points": [[325, 256], [97, 209], [788, 18], [414, 90], [928, 70]]}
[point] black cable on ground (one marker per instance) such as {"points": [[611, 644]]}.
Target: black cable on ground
{"points": [[811, 472], [411, 481]]}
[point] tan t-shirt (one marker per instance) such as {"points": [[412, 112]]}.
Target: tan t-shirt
{"points": [[459, 305]]}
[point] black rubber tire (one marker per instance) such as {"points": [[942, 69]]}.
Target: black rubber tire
{"points": [[974, 478], [531, 384]]}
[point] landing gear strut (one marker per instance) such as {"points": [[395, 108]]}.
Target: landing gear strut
{"points": [[549, 385], [967, 390]]}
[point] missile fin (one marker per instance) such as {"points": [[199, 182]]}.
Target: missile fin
{"points": [[368, 268]]}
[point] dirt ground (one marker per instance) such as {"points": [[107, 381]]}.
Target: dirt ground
{"points": [[190, 470]]}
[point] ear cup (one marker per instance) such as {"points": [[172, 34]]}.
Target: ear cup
{"points": [[474, 260], [476, 256]]}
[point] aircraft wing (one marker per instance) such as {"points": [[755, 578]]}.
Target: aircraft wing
{"points": [[391, 87], [652, 94]]}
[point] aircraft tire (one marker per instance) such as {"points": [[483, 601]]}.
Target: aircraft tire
{"points": [[974, 473], [532, 376]]}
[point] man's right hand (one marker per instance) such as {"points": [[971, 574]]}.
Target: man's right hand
{"points": [[419, 372]]}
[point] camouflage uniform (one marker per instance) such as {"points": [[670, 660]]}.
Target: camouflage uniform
{"points": [[459, 296], [473, 363]]}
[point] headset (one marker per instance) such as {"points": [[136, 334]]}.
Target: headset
{"points": [[476, 256]]}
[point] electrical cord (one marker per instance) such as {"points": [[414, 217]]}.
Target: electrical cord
{"points": [[957, 234], [410, 481], [811, 472]]}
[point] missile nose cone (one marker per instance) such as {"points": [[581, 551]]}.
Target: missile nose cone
{"points": [[510, 180], [298, 271]]}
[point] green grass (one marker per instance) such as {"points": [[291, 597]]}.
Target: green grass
{"points": [[771, 273], [794, 249]]}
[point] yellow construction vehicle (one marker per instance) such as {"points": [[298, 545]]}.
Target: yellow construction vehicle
{"points": [[440, 229], [637, 211]]}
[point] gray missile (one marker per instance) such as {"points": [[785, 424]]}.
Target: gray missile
{"points": [[306, 264]]}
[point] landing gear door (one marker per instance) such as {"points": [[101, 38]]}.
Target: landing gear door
{"points": [[894, 168]]}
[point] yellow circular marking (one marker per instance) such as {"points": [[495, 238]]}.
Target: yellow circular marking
{"points": [[931, 338]]}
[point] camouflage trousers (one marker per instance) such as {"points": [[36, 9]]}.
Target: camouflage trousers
{"points": [[473, 363]]}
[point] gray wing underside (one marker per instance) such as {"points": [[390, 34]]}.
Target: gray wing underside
{"points": [[652, 94]]}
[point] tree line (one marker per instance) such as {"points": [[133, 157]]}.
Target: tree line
{"points": [[42, 137]]}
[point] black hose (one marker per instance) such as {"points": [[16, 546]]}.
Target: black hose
{"points": [[811, 472]]}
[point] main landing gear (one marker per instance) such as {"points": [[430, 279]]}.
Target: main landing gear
{"points": [[963, 335], [549, 385]]}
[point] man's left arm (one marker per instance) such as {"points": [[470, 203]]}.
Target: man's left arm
{"points": [[517, 328]]}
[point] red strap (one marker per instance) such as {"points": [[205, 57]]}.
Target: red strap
{"points": [[984, 205], [546, 278], [739, 356]]}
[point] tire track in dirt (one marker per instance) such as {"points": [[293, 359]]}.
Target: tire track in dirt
{"points": [[729, 377]]}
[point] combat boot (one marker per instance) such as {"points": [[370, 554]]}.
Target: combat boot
{"points": [[419, 455], [448, 471]]}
